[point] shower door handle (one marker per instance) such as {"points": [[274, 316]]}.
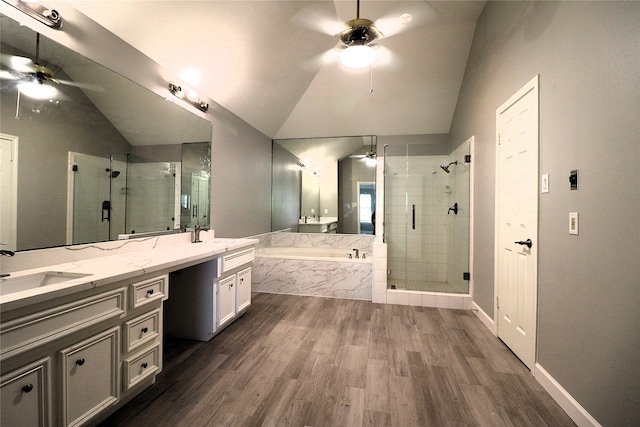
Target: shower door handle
{"points": [[106, 208], [413, 217]]}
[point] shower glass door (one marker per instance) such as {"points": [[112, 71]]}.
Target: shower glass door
{"points": [[427, 241], [97, 211]]}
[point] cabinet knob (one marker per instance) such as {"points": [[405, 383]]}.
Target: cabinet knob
{"points": [[150, 292], [144, 365], [27, 388], [145, 330], [80, 362]]}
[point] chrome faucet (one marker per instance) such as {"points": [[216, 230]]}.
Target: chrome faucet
{"points": [[357, 251], [196, 233]]}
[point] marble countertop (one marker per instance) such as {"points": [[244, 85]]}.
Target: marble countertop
{"points": [[109, 269]]}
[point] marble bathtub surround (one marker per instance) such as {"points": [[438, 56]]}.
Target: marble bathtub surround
{"points": [[314, 276]]}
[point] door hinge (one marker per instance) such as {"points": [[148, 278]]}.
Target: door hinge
{"points": [[498, 139], [497, 302], [466, 276], [467, 158]]}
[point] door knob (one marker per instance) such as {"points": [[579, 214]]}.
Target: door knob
{"points": [[528, 243]]}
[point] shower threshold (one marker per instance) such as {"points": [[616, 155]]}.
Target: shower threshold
{"points": [[416, 285]]}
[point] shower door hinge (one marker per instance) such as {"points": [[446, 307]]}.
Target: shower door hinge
{"points": [[466, 276], [467, 158]]}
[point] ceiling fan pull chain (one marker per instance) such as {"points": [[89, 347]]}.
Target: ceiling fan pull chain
{"points": [[371, 78], [18, 105]]}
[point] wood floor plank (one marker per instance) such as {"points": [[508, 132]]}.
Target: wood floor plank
{"points": [[377, 387], [304, 361]]}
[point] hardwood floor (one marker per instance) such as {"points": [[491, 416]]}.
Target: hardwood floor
{"points": [[305, 361]]}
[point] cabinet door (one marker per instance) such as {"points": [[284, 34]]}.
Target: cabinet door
{"points": [[24, 396], [226, 299], [243, 289], [90, 377]]}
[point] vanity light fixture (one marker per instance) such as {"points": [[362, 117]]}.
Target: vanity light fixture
{"points": [[37, 10], [191, 97]]}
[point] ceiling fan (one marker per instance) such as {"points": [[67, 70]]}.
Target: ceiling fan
{"points": [[359, 48], [33, 76], [358, 38]]}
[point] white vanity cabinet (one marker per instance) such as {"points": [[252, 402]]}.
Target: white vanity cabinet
{"points": [[71, 360], [233, 296], [89, 377], [216, 293], [25, 395]]}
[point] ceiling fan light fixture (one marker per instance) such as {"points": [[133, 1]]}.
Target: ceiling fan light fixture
{"points": [[358, 56], [37, 90]]}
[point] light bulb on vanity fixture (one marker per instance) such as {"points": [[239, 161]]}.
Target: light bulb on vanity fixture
{"points": [[189, 96], [37, 10]]}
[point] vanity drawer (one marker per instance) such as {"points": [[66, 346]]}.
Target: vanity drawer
{"points": [[148, 291], [141, 366], [30, 331], [141, 330], [236, 259]]}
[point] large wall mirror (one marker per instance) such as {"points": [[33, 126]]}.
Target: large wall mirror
{"points": [[89, 155], [324, 185]]}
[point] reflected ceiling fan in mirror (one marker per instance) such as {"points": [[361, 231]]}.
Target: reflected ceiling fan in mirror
{"points": [[370, 156], [34, 79]]}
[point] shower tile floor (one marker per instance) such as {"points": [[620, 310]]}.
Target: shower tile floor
{"points": [[417, 285]]}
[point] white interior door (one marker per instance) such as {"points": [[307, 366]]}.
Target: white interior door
{"points": [[517, 221], [8, 191]]}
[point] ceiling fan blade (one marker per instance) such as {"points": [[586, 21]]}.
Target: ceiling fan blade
{"points": [[316, 62], [18, 63], [320, 17], [87, 86], [8, 75]]}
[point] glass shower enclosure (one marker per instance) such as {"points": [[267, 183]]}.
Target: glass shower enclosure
{"points": [[426, 223], [119, 194]]}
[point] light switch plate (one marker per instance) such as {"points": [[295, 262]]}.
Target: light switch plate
{"points": [[544, 183], [573, 222]]}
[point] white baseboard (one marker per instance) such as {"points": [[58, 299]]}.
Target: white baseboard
{"points": [[484, 318], [575, 411]]}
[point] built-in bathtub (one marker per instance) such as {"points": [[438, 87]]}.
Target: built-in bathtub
{"points": [[313, 271]]}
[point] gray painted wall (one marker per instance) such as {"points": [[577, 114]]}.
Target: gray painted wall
{"points": [[587, 56]]}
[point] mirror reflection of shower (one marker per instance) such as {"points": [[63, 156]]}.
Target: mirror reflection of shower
{"points": [[446, 167]]}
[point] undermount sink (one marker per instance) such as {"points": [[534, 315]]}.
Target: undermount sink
{"points": [[10, 285]]}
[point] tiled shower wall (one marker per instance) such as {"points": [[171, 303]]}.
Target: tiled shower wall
{"points": [[151, 193]]}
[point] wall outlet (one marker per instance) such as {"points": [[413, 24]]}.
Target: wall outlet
{"points": [[573, 222]]}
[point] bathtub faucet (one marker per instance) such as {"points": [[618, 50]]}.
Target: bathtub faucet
{"points": [[357, 251]]}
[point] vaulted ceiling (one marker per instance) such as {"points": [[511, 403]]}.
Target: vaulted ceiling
{"points": [[274, 63]]}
